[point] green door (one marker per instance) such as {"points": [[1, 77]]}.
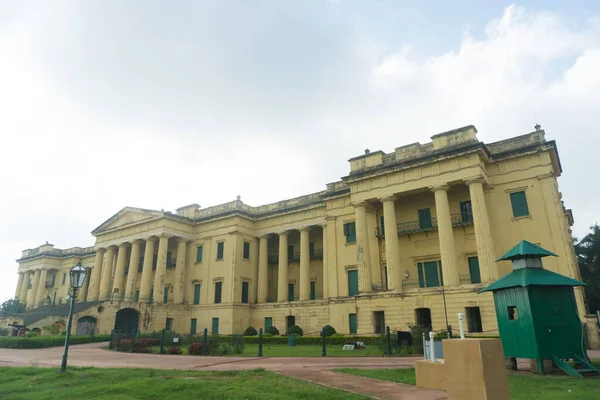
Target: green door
{"points": [[268, 322], [290, 292], [313, 289], [425, 218], [137, 295], [431, 274], [474, 269], [151, 296], [352, 283], [166, 295], [197, 293], [352, 320], [215, 326], [193, 326]]}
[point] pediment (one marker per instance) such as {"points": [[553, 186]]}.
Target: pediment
{"points": [[125, 217]]}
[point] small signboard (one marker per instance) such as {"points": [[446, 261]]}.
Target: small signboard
{"points": [[348, 347], [175, 340]]}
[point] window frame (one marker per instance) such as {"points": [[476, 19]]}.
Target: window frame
{"points": [[220, 250], [218, 284], [246, 250], [246, 284], [511, 196], [199, 253], [349, 230], [468, 211]]}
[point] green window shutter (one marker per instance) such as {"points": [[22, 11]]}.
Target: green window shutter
{"points": [[215, 326], [440, 271], [313, 290], [245, 289], [141, 264], [474, 269], [431, 274], [137, 295], [352, 283], [421, 275], [518, 201], [386, 279], [197, 293], [218, 287], [64, 279], [220, 248], [151, 296], [168, 258], [350, 232], [425, 218], [290, 252], [352, 322], [290, 292], [311, 249], [466, 211], [199, 254], [53, 280], [268, 322], [193, 324], [382, 228], [246, 250], [166, 295]]}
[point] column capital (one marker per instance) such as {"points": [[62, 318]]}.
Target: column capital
{"points": [[124, 244], [100, 249], [358, 204], [183, 240], [151, 239], [444, 187], [387, 198], [475, 179], [304, 229], [283, 233], [137, 241], [164, 235], [265, 236], [330, 218]]}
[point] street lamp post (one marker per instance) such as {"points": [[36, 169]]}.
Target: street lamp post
{"points": [[77, 275]]}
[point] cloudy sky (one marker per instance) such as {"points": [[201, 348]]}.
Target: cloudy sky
{"points": [[158, 104]]}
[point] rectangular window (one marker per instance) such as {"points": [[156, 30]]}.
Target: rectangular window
{"points": [[379, 317], [137, 295], [518, 201], [311, 249], [193, 324], [218, 287], [290, 292], [382, 224], [166, 295], [268, 322], [474, 269], [169, 259], [199, 254], [220, 248], [64, 278], [350, 232], [430, 274], [246, 251], [425, 218], [154, 261], [141, 264], [151, 296], [197, 293], [473, 319], [290, 252], [352, 323], [466, 211], [512, 313], [313, 290], [215, 326], [352, 283], [53, 281], [245, 290], [169, 324]]}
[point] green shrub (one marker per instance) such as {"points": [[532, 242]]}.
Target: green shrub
{"points": [[338, 335], [250, 331], [39, 342], [335, 340], [272, 331], [441, 335], [267, 335], [329, 330], [195, 349], [174, 350], [295, 330]]}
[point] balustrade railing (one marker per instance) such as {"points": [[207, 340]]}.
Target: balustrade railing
{"points": [[410, 227]]}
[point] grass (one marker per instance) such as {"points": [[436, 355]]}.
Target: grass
{"points": [[521, 387], [114, 384]]}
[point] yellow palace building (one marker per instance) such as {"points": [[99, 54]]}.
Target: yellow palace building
{"points": [[407, 237]]}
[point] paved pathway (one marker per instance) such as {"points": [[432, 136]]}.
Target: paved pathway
{"points": [[313, 369]]}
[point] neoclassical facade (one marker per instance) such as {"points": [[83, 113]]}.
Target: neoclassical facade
{"points": [[407, 237]]}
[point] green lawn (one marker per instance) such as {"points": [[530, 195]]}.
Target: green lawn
{"points": [[521, 387], [113, 384]]}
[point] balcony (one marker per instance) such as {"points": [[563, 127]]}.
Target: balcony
{"points": [[410, 227], [316, 254]]}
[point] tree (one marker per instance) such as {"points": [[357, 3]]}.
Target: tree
{"points": [[588, 257], [11, 307]]}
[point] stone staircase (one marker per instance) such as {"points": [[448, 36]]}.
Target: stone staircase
{"points": [[33, 316]]}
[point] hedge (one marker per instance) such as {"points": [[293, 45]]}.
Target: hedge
{"points": [[300, 340], [38, 342]]}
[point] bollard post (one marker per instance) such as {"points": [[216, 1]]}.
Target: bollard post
{"points": [[260, 343], [461, 316], [324, 343], [389, 340], [205, 342], [131, 350], [162, 342], [432, 346]]}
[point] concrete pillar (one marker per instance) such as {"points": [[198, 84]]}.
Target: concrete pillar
{"points": [[34, 286], [82, 293], [105, 291], [263, 271], [282, 284], [304, 264], [19, 286], [483, 233], [363, 255], [119, 282], [392, 251], [325, 263], [446, 236], [25, 287], [330, 251], [147, 271], [161, 268], [94, 286], [180, 270], [41, 288], [134, 260]]}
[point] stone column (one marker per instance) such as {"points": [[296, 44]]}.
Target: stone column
{"points": [[134, 261], [82, 293], [392, 251], [363, 255], [34, 286], [263, 271], [304, 264], [325, 263], [94, 286], [106, 274], [19, 286], [25, 287], [161, 268], [483, 232], [331, 256], [180, 270], [446, 236], [282, 284], [120, 273], [147, 271], [41, 288]]}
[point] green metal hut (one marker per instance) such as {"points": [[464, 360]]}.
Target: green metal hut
{"points": [[536, 311]]}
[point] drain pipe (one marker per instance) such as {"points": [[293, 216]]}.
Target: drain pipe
{"points": [[431, 346], [461, 316]]}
